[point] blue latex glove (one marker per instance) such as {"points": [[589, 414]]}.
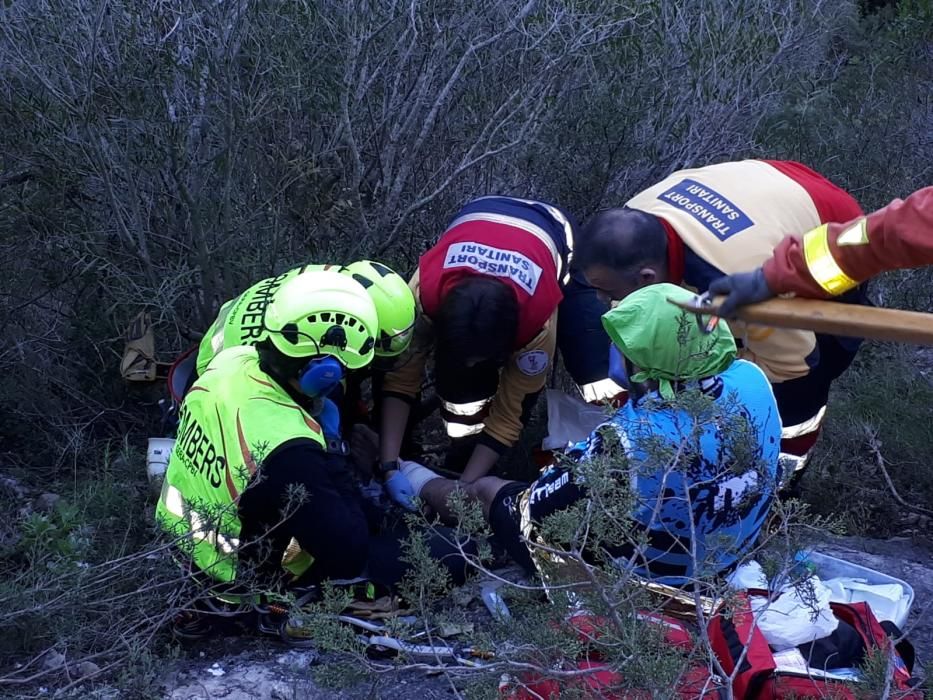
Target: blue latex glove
{"points": [[400, 491], [329, 419]]}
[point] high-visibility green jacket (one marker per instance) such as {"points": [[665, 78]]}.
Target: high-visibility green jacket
{"points": [[240, 320], [233, 418]]}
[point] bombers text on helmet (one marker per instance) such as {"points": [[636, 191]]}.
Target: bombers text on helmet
{"points": [[394, 301], [323, 313]]}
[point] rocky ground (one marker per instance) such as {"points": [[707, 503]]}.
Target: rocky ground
{"points": [[254, 669]]}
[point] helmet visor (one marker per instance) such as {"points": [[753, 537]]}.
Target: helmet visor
{"points": [[392, 345]]}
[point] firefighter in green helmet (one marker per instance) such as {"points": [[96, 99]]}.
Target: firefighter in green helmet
{"points": [[259, 492], [240, 321], [255, 427]]}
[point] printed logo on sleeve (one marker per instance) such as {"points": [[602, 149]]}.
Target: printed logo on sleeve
{"points": [[716, 213], [497, 262], [532, 362]]}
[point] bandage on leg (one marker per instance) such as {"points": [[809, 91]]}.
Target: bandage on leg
{"points": [[417, 474]]}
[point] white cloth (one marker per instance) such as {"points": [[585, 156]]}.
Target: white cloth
{"points": [[801, 614]]}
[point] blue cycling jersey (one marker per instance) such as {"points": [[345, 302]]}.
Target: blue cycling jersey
{"points": [[703, 483]]}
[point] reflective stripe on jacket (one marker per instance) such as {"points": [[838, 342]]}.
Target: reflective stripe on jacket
{"points": [[832, 259], [231, 420]]}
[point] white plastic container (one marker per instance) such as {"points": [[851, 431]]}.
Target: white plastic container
{"points": [[157, 457], [828, 568]]}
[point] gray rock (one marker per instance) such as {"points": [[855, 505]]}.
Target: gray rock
{"points": [[53, 660], [47, 501], [297, 659], [249, 681], [12, 487], [85, 669]]}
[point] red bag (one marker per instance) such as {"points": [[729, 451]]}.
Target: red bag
{"points": [[602, 682], [758, 677]]}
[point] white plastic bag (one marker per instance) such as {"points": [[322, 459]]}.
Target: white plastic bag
{"points": [[569, 420], [748, 575], [792, 619], [887, 600]]}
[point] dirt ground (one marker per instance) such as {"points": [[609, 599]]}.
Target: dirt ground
{"points": [[258, 669]]}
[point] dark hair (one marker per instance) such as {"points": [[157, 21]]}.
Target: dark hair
{"points": [[477, 318], [278, 365], [622, 239]]}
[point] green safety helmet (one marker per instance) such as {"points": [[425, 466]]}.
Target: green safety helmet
{"points": [[320, 312], [395, 305]]}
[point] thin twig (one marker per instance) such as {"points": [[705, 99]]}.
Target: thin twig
{"points": [[875, 446]]}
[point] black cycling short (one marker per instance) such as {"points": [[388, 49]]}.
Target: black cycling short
{"points": [[516, 502]]}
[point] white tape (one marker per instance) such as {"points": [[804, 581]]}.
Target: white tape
{"points": [[417, 474]]}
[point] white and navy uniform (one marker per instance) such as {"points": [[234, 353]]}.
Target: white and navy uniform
{"points": [[728, 218], [525, 244]]}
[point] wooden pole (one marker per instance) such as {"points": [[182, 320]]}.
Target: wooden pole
{"points": [[831, 317]]}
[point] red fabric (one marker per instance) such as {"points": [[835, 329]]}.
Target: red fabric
{"points": [[605, 684], [534, 310], [730, 637], [676, 634], [602, 682], [900, 235], [831, 201], [757, 679], [675, 254], [802, 444], [175, 384], [542, 458]]}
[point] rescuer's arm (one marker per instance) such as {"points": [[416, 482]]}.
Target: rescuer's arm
{"points": [[309, 494], [833, 258]]}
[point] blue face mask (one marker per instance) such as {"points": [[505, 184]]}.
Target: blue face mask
{"points": [[618, 372], [320, 376]]}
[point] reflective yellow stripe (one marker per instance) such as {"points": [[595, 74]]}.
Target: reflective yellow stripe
{"points": [[228, 545], [464, 410], [220, 323], [295, 560], [856, 234], [172, 500], [200, 531], [217, 342], [821, 263], [469, 408], [789, 464], [556, 214]]}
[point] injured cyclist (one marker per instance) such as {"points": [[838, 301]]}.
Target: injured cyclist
{"points": [[691, 458]]}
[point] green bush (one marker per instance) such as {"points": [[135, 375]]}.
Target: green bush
{"points": [[163, 158], [878, 410]]}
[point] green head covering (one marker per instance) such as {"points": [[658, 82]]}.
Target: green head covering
{"points": [[664, 341]]}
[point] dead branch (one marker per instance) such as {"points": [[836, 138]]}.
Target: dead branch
{"points": [[874, 444]]}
